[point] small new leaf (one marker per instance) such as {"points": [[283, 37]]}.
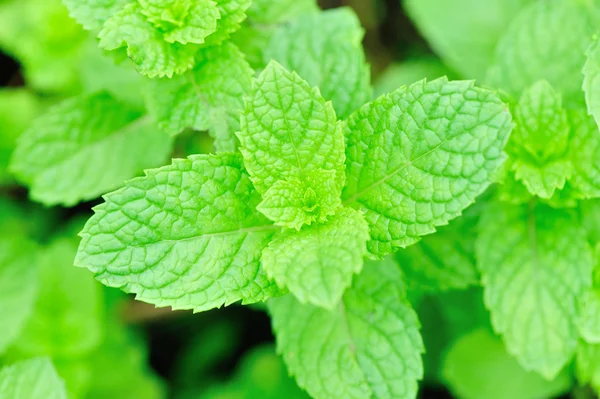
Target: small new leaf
{"points": [[369, 347], [317, 263], [186, 235], [538, 147]]}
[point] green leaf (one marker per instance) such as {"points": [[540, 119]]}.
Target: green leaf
{"points": [[92, 14], [101, 72], [541, 34], [289, 130], [464, 32], [186, 235], [442, 261], [318, 262], [443, 143], [587, 365], [232, 13], [17, 108], [369, 347], [584, 153], [46, 42], [18, 286], [289, 203], [325, 49], [535, 263], [538, 146], [591, 79], [34, 378], [208, 97], [477, 365], [589, 316], [59, 156], [67, 317], [154, 52]]}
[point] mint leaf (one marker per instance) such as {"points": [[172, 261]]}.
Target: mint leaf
{"points": [[442, 261], [34, 378], [325, 49], [154, 52], [59, 155], [67, 317], [186, 235], [443, 142], [589, 316], [290, 204], [208, 97], [370, 345], [274, 12], [477, 364], [591, 81], [535, 264], [17, 108], [464, 32], [542, 33], [92, 14], [409, 71], [538, 146], [18, 286], [232, 13], [317, 263], [288, 131], [584, 152]]}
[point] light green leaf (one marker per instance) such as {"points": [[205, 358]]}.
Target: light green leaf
{"points": [[287, 129], [101, 72], [17, 108], [67, 318], [46, 42], [154, 52], [535, 263], [589, 316], [59, 155], [442, 261], [538, 147], [289, 203], [464, 32], [369, 346], [325, 49], [232, 14], [591, 79], [31, 379], [186, 235], [318, 262], [207, 97], [443, 143], [477, 366], [18, 286], [584, 153], [92, 14], [587, 365], [542, 33]]}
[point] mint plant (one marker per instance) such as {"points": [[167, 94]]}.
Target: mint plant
{"points": [[443, 231]]}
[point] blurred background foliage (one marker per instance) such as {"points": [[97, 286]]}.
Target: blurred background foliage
{"points": [[102, 343]]}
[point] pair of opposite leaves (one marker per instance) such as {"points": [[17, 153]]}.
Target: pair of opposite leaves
{"points": [[190, 235]]}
